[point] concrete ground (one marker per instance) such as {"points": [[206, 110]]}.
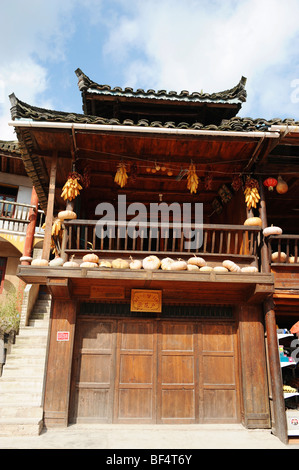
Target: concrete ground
{"points": [[147, 437]]}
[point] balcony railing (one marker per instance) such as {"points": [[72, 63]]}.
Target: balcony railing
{"points": [[14, 217], [283, 249], [215, 242]]}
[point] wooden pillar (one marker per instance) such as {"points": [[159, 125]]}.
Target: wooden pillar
{"points": [[279, 421], [256, 409], [265, 261], [57, 389], [50, 208], [28, 246]]}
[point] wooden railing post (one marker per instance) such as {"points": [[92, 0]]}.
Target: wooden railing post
{"points": [[265, 260], [28, 246], [50, 208]]}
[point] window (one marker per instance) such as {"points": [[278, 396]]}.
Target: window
{"points": [[2, 272], [7, 194]]}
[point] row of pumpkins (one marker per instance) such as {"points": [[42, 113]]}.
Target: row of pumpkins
{"points": [[151, 262]]}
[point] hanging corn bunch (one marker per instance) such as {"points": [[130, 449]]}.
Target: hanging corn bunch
{"points": [[72, 187], [192, 179], [251, 192], [121, 176], [56, 237]]}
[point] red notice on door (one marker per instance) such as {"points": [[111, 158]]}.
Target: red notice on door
{"points": [[63, 335]]}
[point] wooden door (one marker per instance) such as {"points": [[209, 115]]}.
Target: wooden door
{"points": [[177, 373], [219, 401], [93, 371], [152, 371], [135, 384]]}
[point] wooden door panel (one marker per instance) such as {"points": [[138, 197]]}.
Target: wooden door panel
{"points": [[177, 369], [177, 372], [220, 405], [135, 404], [218, 370], [93, 380], [218, 377], [178, 405], [135, 386]]}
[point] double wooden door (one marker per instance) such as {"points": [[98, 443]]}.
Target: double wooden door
{"points": [[154, 371]]}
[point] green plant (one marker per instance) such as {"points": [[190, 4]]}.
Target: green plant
{"points": [[9, 313]]}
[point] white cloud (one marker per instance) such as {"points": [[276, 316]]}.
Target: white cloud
{"points": [[32, 35], [209, 45]]}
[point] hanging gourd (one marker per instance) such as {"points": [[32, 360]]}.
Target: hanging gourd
{"points": [[270, 183], [179, 265], [105, 264], [249, 269], [192, 179], [278, 257], [231, 266], [71, 263], [67, 215], [282, 186], [90, 258], [151, 262], [39, 262], [253, 222], [135, 263], [165, 264], [197, 261], [121, 176], [251, 192], [72, 187], [56, 262], [272, 231]]}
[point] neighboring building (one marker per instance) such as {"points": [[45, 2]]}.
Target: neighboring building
{"points": [[15, 205], [156, 345]]}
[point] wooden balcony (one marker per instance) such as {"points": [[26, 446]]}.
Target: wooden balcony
{"points": [[14, 218], [214, 243], [283, 250], [237, 243], [284, 259]]}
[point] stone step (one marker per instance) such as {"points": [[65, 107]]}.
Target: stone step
{"points": [[17, 397], [21, 426], [11, 384], [30, 341], [33, 331], [13, 411], [38, 323], [35, 370], [24, 360]]}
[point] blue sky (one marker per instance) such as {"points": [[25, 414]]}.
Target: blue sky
{"points": [[160, 44]]}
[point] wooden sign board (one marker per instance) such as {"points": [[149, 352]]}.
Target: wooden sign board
{"points": [[107, 292], [146, 300]]}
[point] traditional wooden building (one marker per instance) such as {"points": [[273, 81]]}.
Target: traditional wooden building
{"points": [[160, 341]]}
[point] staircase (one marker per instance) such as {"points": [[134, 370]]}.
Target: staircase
{"points": [[22, 380]]}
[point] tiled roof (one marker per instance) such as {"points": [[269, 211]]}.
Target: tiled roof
{"points": [[21, 110], [234, 95], [9, 146]]}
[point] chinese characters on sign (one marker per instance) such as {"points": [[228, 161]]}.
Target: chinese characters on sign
{"points": [[146, 300], [63, 335]]}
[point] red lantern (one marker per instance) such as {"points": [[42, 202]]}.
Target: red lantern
{"points": [[270, 183]]}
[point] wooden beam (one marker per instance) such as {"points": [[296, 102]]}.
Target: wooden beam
{"points": [[50, 208]]}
